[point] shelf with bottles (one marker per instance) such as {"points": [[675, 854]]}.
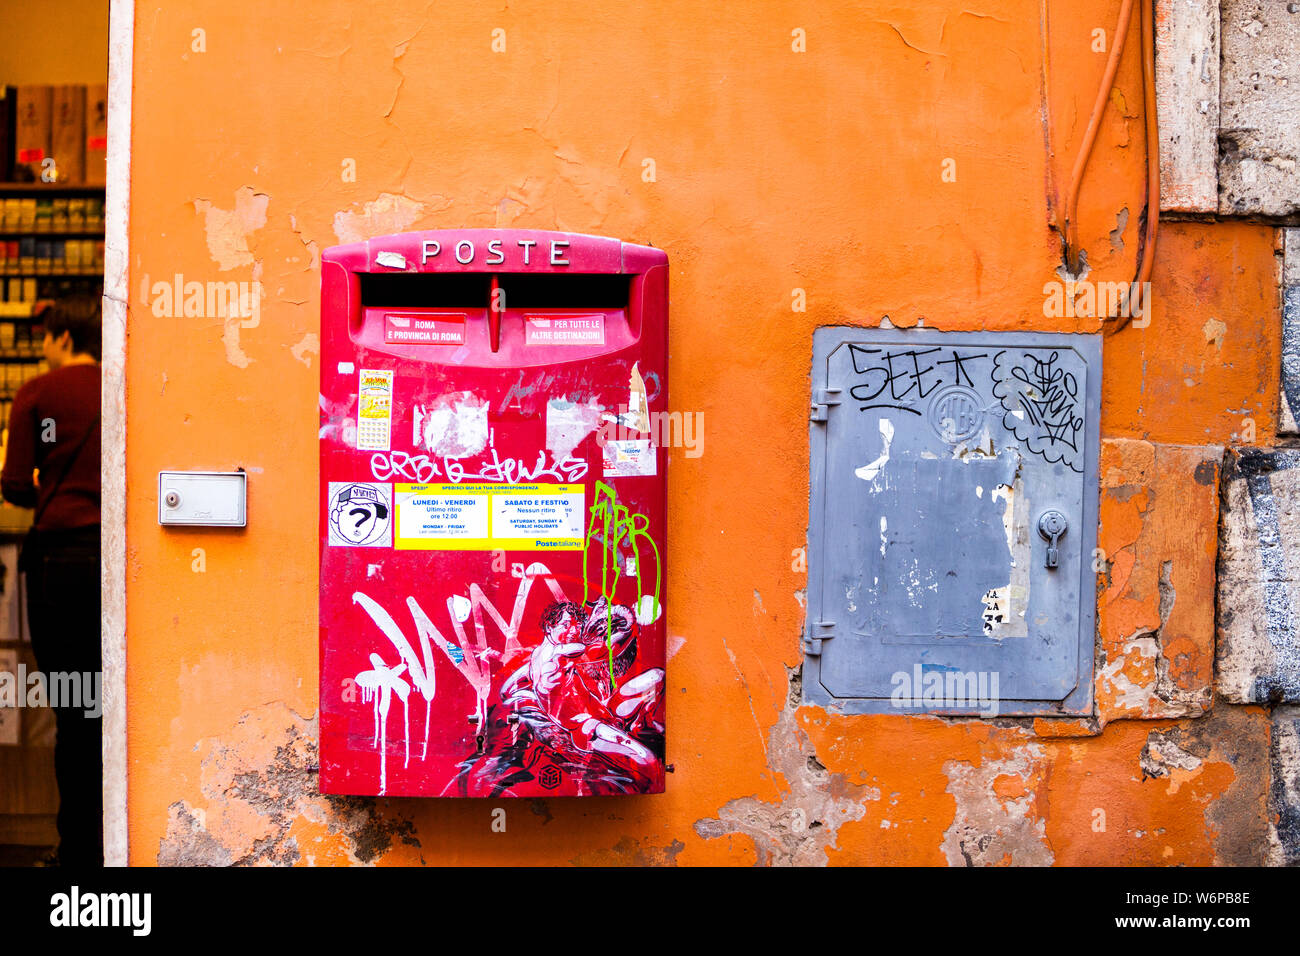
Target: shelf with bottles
{"points": [[59, 274], [49, 230], [53, 233], [20, 294], [14, 376], [21, 337], [31, 256], [31, 209], [36, 187]]}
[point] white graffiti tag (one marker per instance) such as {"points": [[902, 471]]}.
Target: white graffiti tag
{"points": [[421, 469], [377, 687], [471, 657], [400, 466]]}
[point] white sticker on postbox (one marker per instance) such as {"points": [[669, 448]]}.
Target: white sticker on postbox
{"points": [[483, 517], [628, 458], [564, 330], [360, 514], [375, 414], [443, 517], [426, 329], [548, 516]]}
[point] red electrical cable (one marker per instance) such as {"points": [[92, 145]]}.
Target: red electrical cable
{"points": [[1147, 252], [1146, 248], [1090, 137]]}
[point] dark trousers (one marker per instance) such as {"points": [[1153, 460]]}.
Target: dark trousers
{"points": [[63, 614]]}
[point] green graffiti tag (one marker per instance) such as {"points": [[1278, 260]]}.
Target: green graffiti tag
{"points": [[612, 525]]}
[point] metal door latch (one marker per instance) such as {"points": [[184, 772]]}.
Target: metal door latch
{"points": [[1052, 525]]}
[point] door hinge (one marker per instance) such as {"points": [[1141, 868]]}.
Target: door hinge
{"points": [[823, 399], [822, 631]]}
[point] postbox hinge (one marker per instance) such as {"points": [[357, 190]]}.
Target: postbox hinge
{"points": [[823, 399], [822, 631]]}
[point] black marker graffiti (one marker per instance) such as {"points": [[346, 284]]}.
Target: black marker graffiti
{"points": [[960, 370], [1041, 405], [909, 374]]}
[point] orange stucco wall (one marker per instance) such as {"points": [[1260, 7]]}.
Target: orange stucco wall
{"points": [[774, 170]]}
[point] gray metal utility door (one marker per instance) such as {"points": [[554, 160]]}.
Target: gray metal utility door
{"points": [[953, 519]]}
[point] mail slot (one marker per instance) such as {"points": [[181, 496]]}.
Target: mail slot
{"points": [[492, 508], [953, 518]]}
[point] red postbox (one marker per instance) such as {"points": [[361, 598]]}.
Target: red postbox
{"points": [[492, 515]]}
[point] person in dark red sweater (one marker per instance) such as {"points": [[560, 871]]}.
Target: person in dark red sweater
{"points": [[54, 432]]}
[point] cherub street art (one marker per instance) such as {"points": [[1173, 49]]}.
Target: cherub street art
{"points": [[566, 711]]}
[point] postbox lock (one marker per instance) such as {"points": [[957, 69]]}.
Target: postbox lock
{"points": [[1051, 525], [173, 499]]}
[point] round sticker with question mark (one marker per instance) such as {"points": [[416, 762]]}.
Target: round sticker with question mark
{"points": [[359, 514]]}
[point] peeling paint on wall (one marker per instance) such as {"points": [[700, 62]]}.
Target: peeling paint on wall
{"points": [[307, 346], [228, 230], [630, 852], [261, 805], [1162, 755], [872, 471], [388, 214], [1231, 743], [1214, 332], [798, 829], [1005, 606], [998, 822], [1158, 531]]}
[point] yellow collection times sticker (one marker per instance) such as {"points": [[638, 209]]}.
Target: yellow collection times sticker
{"points": [[484, 517]]}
